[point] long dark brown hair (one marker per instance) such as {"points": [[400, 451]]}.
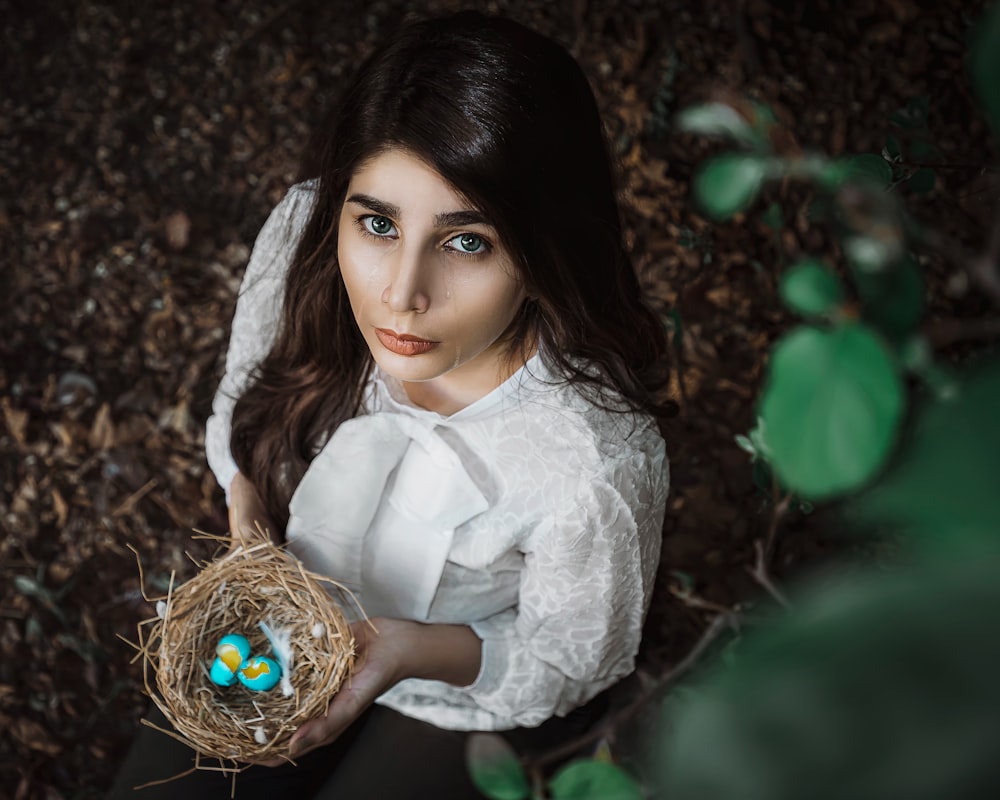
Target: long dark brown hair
{"points": [[507, 117]]}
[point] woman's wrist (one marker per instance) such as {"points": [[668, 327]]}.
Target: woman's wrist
{"points": [[435, 651]]}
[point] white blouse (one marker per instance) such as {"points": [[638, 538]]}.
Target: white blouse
{"points": [[531, 515]]}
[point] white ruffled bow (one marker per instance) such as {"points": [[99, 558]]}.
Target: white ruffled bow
{"points": [[377, 511]]}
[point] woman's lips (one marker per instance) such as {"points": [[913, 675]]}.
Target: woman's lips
{"points": [[403, 344]]}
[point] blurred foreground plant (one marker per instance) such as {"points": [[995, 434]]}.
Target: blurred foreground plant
{"points": [[879, 684]]}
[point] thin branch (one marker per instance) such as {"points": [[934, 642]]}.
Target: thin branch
{"points": [[611, 722], [760, 571], [693, 600], [948, 165], [761, 574]]}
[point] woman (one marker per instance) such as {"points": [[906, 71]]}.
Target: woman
{"points": [[441, 390]]}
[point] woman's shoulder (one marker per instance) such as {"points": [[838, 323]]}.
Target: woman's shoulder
{"points": [[287, 219], [593, 429]]}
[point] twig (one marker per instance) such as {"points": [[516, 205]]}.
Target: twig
{"points": [[947, 165], [719, 623], [129, 503], [765, 549], [693, 600], [760, 573]]}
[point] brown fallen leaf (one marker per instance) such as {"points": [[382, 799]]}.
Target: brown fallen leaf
{"points": [[178, 230], [61, 507], [102, 431], [33, 736], [16, 420]]}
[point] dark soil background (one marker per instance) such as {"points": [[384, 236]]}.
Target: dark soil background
{"points": [[141, 148]]}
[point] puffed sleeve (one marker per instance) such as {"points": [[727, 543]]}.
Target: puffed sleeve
{"points": [[585, 590], [255, 323]]}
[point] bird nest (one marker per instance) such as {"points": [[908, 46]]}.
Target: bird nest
{"points": [[253, 584]]}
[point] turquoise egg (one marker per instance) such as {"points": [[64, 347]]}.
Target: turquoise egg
{"points": [[260, 673], [233, 649], [220, 673]]}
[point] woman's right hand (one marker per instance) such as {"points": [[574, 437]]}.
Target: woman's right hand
{"points": [[247, 514]]}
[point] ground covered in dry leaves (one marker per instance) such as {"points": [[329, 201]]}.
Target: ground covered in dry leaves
{"points": [[141, 147]]}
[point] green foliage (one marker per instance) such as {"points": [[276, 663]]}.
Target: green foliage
{"points": [[879, 686], [729, 183], [832, 404], [942, 490], [985, 64], [756, 443], [871, 167], [494, 767], [717, 119], [809, 288], [497, 773], [893, 298], [593, 780]]}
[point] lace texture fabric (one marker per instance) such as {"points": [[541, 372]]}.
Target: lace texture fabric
{"points": [[554, 568]]}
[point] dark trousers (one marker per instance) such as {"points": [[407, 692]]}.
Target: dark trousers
{"points": [[383, 755]]}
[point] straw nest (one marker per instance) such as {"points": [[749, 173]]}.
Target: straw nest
{"points": [[256, 583]]}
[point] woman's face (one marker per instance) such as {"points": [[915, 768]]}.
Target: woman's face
{"points": [[432, 289]]}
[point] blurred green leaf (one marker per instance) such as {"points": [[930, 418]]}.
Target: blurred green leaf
{"points": [[922, 181], [832, 403], [30, 587], [811, 289], [756, 442], [985, 63], [893, 300], [943, 488], [494, 767], [717, 119], [868, 254], [878, 686], [773, 217], [593, 780], [892, 149], [726, 184], [871, 166]]}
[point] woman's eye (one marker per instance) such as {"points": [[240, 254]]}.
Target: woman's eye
{"points": [[469, 243], [380, 226]]}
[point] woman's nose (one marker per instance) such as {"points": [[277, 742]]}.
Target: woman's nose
{"points": [[408, 289]]}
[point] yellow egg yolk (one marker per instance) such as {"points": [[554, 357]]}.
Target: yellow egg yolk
{"points": [[256, 668], [230, 656]]}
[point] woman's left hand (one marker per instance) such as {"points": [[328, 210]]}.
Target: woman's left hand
{"points": [[400, 649], [380, 666]]}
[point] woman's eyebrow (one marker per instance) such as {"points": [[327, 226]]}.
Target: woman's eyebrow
{"points": [[455, 219], [376, 205], [447, 220]]}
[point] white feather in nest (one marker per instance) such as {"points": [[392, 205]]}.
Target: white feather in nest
{"points": [[281, 644]]}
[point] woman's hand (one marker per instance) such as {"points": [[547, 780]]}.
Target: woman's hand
{"points": [[247, 514], [401, 649], [380, 666]]}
